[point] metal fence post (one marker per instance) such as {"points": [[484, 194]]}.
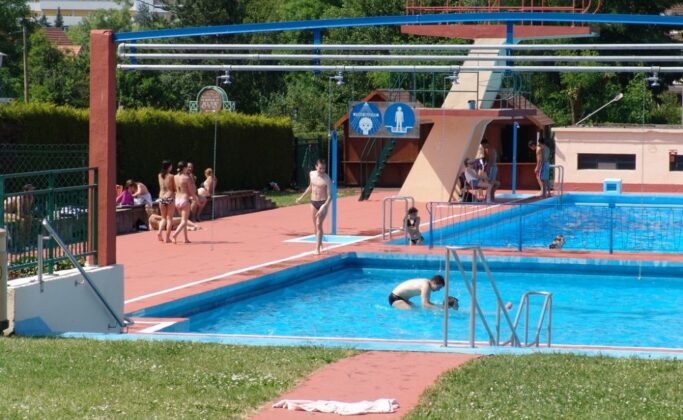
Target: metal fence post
{"points": [[431, 225], [95, 217], [4, 316], [473, 302], [2, 204], [49, 213], [611, 228], [519, 239]]}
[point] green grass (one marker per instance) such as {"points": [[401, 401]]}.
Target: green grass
{"points": [[61, 378], [555, 387], [287, 198]]}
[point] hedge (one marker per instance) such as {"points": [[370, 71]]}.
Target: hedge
{"points": [[251, 150]]}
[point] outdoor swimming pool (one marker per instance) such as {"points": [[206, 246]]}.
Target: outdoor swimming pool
{"points": [[630, 223], [613, 303]]}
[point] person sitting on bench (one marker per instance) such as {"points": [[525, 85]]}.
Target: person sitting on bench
{"points": [[477, 181]]}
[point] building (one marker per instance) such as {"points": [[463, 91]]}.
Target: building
{"points": [[644, 158], [73, 11]]}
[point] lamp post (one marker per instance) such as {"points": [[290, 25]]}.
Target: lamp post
{"points": [[613, 100], [332, 146]]}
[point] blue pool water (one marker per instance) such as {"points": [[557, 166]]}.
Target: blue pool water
{"points": [[630, 223], [595, 303]]}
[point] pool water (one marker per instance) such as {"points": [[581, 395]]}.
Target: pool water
{"points": [[590, 305], [587, 222]]}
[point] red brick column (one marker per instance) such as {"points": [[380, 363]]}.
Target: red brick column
{"points": [[102, 142]]}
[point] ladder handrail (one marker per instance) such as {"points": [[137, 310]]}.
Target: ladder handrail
{"points": [[546, 308], [560, 170], [121, 322], [391, 199], [477, 254]]}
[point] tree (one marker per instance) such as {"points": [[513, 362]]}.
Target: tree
{"points": [[43, 22], [13, 13], [59, 20]]}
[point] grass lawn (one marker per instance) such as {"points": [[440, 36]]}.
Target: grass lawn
{"points": [[556, 386], [60, 378], [285, 198]]}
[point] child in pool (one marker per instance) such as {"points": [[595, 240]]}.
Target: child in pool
{"points": [[557, 243], [411, 224]]}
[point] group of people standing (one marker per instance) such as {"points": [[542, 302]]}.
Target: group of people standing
{"points": [[179, 192]]}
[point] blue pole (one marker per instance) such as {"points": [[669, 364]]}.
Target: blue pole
{"points": [[317, 40], [509, 39], [333, 170], [515, 127]]}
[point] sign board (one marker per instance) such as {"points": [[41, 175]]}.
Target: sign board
{"points": [[383, 120], [212, 99]]}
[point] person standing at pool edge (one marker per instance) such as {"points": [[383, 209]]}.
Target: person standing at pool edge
{"points": [[401, 295], [320, 187]]}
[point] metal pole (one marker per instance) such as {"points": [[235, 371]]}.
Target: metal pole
{"points": [[611, 228], [526, 322], [515, 127], [40, 260], [550, 318], [333, 169], [473, 302], [445, 301], [4, 316], [400, 47], [521, 228], [430, 209], [24, 34]]}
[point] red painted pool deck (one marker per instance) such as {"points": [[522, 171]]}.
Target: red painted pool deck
{"points": [[369, 376]]}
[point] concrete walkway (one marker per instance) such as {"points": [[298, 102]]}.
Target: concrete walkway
{"points": [[370, 376]]}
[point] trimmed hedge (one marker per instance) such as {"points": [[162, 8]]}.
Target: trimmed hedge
{"points": [[251, 150]]}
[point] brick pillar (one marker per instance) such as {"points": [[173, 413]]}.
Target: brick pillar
{"points": [[103, 139]]}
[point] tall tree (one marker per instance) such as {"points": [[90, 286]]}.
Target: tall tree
{"points": [[59, 20], [13, 13]]}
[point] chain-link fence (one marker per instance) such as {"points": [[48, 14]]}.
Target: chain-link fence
{"points": [[17, 158], [64, 197]]}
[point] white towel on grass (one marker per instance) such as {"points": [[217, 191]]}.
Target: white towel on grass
{"points": [[382, 405]]}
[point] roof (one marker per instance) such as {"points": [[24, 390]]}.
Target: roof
{"points": [[676, 10], [59, 39]]}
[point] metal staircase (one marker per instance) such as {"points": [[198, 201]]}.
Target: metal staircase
{"points": [[475, 309], [379, 167]]}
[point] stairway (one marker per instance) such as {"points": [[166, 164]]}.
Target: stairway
{"points": [[377, 171]]}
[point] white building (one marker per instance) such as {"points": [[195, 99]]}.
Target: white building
{"points": [[73, 11]]}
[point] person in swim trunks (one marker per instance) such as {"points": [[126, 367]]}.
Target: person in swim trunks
{"points": [[401, 295], [320, 188]]}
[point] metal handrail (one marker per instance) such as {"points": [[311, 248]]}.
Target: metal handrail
{"points": [[121, 322], [560, 171], [391, 199], [546, 308], [477, 255]]}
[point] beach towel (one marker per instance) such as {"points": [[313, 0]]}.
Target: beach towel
{"points": [[380, 406]]}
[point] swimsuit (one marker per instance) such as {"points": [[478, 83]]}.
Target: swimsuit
{"points": [[394, 297], [181, 202], [318, 204], [166, 201]]}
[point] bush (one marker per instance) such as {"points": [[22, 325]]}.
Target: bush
{"points": [[251, 150]]}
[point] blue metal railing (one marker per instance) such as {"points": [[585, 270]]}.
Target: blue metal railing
{"points": [[608, 227]]}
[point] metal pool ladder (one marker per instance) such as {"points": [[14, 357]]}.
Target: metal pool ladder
{"points": [[407, 200], [475, 309]]}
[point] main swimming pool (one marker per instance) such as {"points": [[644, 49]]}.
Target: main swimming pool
{"points": [[610, 303], [630, 223]]}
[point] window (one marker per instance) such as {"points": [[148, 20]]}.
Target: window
{"points": [[675, 162], [607, 161]]}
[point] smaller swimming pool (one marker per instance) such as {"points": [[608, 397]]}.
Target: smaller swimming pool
{"points": [[596, 302], [595, 222]]}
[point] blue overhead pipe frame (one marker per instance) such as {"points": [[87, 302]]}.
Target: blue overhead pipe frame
{"points": [[333, 171], [317, 40], [309, 25]]}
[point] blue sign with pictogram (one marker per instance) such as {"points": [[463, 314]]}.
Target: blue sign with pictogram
{"points": [[384, 120], [399, 119], [365, 119]]}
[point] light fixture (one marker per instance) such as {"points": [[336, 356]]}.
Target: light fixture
{"points": [[653, 80], [617, 98], [225, 79], [339, 78], [453, 78]]}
